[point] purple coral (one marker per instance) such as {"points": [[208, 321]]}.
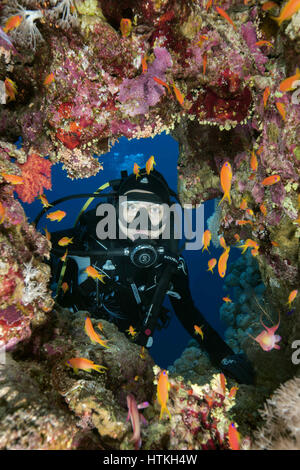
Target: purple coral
{"points": [[142, 92]]}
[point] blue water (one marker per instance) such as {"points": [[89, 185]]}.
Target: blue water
{"points": [[206, 288]]}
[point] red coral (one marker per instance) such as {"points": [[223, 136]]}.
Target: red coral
{"points": [[36, 173]]}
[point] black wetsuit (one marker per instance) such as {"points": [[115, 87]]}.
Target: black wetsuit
{"points": [[128, 291]]}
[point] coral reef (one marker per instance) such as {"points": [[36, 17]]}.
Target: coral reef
{"points": [[35, 380], [281, 414]]}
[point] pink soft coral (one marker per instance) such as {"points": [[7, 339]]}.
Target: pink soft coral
{"points": [[36, 173]]}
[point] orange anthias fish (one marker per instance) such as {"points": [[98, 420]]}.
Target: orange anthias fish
{"points": [[93, 273], [289, 9], [2, 212], [84, 364], [65, 287], [227, 299], [253, 161], [94, 337], [12, 179], [63, 258], [44, 200], [47, 234], [206, 240], [249, 243], [222, 242], [281, 109], [263, 209], [178, 94], [268, 5], [12, 23], [49, 79], [264, 43], [57, 215], [287, 84], [198, 330], [209, 4], [266, 95], [226, 177], [149, 164], [237, 237], [222, 264], [161, 82], [65, 241], [11, 89], [125, 27], [133, 333], [223, 383], [224, 14], [163, 388], [136, 170], [233, 437], [267, 338], [142, 353], [271, 180], [211, 264], [144, 63], [244, 222], [292, 297], [233, 391], [244, 204], [204, 63]]}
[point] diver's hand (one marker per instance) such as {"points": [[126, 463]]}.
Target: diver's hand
{"points": [[239, 368]]}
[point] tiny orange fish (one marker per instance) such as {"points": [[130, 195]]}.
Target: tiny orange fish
{"points": [[203, 38], [244, 222], [209, 4], [198, 330], [206, 240], [264, 43], [253, 161], [224, 14], [204, 63], [233, 437], [226, 177], [163, 387], [65, 287], [237, 237], [12, 179], [287, 11], [94, 337], [161, 82], [233, 391], [12, 23], [44, 200], [100, 326], [274, 243], [211, 264], [244, 204], [142, 353], [268, 5], [2, 212], [292, 297], [94, 274], [149, 164], [57, 215], [136, 170], [222, 242], [271, 180], [266, 95], [263, 209], [63, 258], [133, 333], [178, 94], [11, 89], [47, 234], [84, 364], [260, 150], [49, 79], [125, 27], [227, 299], [144, 63], [249, 243], [288, 83], [65, 241], [223, 383], [281, 109], [222, 264]]}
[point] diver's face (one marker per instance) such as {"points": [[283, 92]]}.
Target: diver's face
{"points": [[130, 209]]}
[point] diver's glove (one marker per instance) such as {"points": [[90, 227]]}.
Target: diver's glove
{"points": [[239, 368]]}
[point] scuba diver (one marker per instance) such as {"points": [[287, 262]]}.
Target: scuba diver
{"points": [[124, 278]]}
